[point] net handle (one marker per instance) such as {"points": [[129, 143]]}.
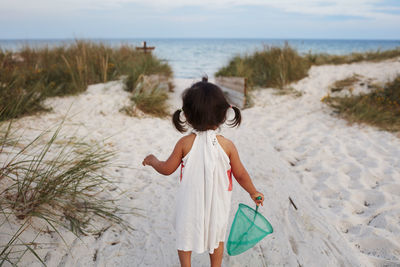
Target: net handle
{"points": [[257, 198]]}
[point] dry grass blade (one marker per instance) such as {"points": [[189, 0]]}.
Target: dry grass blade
{"points": [[63, 185]]}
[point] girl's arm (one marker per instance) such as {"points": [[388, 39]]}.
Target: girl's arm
{"points": [[171, 164], [241, 175]]}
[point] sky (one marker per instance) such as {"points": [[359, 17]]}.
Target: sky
{"points": [[283, 19]]}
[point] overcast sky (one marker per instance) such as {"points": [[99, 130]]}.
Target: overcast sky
{"points": [[348, 19]]}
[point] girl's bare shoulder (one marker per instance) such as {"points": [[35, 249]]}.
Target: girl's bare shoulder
{"points": [[187, 143], [188, 138], [225, 143]]}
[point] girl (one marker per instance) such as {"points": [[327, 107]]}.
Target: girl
{"points": [[207, 163]]}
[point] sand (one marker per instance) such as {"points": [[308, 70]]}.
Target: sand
{"points": [[344, 179]]}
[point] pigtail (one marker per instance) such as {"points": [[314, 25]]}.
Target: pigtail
{"points": [[176, 120], [237, 119]]}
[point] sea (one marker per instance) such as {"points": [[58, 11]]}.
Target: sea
{"points": [[194, 58]]}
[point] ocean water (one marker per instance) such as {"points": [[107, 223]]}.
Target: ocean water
{"points": [[193, 58]]}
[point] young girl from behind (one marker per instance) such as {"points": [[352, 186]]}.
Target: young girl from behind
{"points": [[207, 162]]}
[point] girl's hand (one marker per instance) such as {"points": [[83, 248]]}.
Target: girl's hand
{"points": [[257, 201], [149, 160]]}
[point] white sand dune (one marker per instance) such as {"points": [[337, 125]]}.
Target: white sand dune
{"points": [[344, 180]]}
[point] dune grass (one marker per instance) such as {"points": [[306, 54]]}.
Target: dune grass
{"points": [[146, 65], [373, 56], [271, 67], [30, 75], [150, 99], [345, 83], [279, 66], [59, 182], [152, 102], [380, 108], [150, 96]]}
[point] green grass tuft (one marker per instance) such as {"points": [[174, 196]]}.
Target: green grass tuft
{"points": [[271, 67], [152, 101], [380, 108], [146, 64]]}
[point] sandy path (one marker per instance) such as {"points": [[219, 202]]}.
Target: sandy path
{"points": [[290, 146], [353, 172]]}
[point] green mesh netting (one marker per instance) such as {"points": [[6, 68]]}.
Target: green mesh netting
{"points": [[248, 228]]}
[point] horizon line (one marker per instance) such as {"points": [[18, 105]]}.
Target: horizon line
{"points": [[196, 38]]}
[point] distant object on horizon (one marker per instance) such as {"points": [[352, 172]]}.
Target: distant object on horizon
{"points": [[145, 48]]}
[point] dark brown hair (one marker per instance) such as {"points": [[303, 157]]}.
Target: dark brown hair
{"points": [[205, 107]]}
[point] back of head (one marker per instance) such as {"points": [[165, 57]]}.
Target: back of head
{"points": [[205, 108]]}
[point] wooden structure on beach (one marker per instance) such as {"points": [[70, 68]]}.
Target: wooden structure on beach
{"points": [[234, 89], [154, 81], [145, 48]]}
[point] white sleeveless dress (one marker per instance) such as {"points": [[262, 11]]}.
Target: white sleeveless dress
{"points": [[204, 195]]}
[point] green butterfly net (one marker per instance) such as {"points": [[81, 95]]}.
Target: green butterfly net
{"points": [[248, 228]]}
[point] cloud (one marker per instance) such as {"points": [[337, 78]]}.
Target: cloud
{"points": [[365, 8], [286, 17]]}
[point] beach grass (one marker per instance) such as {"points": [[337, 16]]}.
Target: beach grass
{"points": [[345, 83], [380, 108], [152, 102], [59, 182], [372, 56], [145, 65], [271, 67], [279, 66], [30, 75], [288, 91]]}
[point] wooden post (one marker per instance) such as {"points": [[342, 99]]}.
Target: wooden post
{"points": [[234, 89], [145, 48]]}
